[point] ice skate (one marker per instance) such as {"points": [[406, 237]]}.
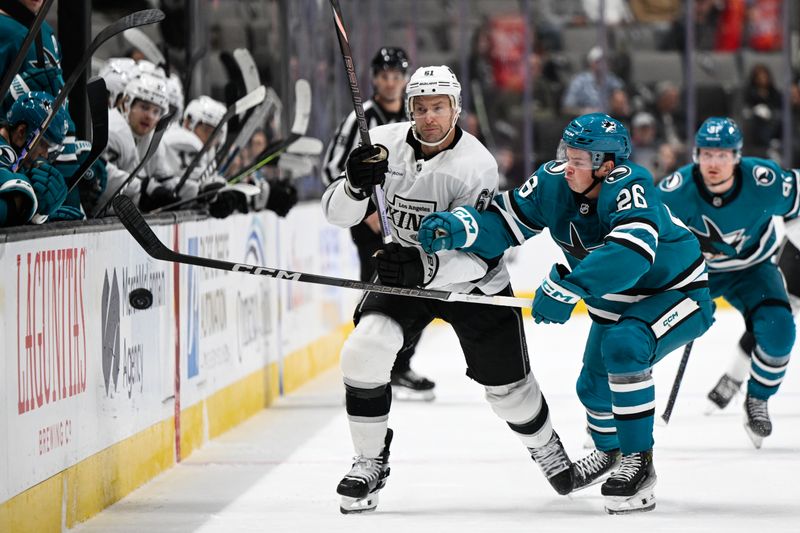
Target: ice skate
{"points": [[555, 464], [629, 489], [410, 386], [756, 420], [594, 468], [360, 487], [723, 392]]}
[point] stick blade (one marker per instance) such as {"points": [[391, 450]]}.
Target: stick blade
{"points": [[251, 99], [140, 40], [302, 102], [136, 225]]}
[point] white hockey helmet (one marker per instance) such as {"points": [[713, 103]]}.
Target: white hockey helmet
{"points": [[148, 66], [175, 94], [206, 110], [117, 72], [148, 87], [433, 81]]}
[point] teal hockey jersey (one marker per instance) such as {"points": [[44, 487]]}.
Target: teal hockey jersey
{"points": [[622, 247], [736, 229], [37, 73]]}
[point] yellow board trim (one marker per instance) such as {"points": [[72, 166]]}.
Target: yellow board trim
{"points": [[109, 475]]}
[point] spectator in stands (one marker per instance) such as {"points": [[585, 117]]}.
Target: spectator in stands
{"points": [[552, 16], [670, 122], [585, 93], [707, 25], [762, 107], [654, 11], [668, 160], [643, 140], [615, 11], [619, 106], [764, 25]]}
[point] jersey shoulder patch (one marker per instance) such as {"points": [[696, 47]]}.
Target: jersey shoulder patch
{"points": [[764, 175], [619, 173], [555, 167], [671, 182], [7, 156]]}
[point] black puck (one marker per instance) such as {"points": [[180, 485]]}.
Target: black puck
{"points": [[141, 298]]}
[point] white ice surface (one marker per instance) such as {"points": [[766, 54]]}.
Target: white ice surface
{"points": [[456, 467]]}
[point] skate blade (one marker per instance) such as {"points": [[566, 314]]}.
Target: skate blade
{"points": [[756, 439], [641, 502], [406, 395], [350, 505]]}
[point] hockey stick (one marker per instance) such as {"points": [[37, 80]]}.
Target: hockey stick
{"points": [[142, 42], [140, 18], [302, 114], [151, 149], [243, 104], [247, 66], [363, 129], [98, 108], [136, 225], [676, 385], [191, 64], [33, 31], [225, 158]]}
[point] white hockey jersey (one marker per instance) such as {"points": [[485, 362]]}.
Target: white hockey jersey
{"points": [[181, 146], [463, 174], [121, 157]]}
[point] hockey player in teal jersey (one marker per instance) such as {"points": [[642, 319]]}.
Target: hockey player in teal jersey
{"points": [[37, 188], [639, 270], [729, 201], [41, 70]]}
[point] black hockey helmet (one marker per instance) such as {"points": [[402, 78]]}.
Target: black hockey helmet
{"points": [[390, 57]]}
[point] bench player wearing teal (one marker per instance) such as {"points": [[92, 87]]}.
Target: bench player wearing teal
{"points": [[639, 270], [730, 203]]}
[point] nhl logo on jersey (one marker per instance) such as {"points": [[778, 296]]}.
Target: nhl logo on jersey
{"points": [[671, 182], [764, 176]]}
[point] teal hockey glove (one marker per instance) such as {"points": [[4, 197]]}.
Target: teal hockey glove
{"points": [[556, 298], [48, 183], [449, 230]]}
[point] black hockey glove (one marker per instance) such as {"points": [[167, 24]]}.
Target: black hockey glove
{"points": [[227, 202], [282, 197], [158, 197], [399, 266], [366, 167]]}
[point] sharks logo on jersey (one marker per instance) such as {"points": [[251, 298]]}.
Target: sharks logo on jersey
{"points": [[575, 246], [555, 167], [764, 176], [715, 244]]}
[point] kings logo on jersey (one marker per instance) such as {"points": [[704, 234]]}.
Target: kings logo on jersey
{"points": [[407, 214]]}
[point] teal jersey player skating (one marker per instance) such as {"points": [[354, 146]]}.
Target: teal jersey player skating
{"points": [[39, 72], [739, 235], [639, 271]]}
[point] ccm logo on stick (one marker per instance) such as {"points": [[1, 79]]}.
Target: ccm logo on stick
{"points": [[262, 271]]}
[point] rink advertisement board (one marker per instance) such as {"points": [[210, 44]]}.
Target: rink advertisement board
{"points": [[81, 369]]}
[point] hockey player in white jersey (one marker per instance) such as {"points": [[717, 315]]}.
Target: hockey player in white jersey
{"points": [[184, 142], [389, 77], [143, 103], [432, 164]]}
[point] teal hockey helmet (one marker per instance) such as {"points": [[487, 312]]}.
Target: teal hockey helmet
{"points": [[32, 109], [718, 132], [598, 134]]}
